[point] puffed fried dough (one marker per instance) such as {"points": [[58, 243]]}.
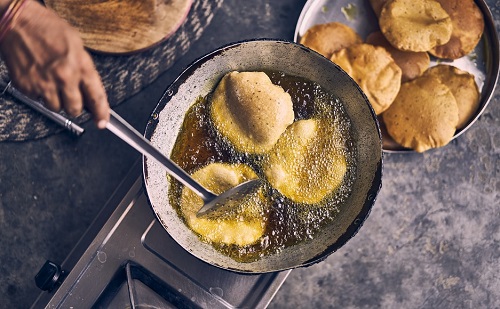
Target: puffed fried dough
{"points": [[424, 115], [463, 87], [250, 111], [373, 68], [468, 27], [415, 25], [329, 38], [307, 164], [229, 228], [377, 6], [412, 64]]}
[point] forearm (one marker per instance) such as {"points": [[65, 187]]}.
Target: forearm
{"points": [[9, 13]]}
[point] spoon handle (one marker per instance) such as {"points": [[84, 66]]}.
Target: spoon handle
{"points": [[39, 107], [128, 134]]}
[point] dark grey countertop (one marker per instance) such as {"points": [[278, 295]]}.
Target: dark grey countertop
{"points": [[432, 239]]}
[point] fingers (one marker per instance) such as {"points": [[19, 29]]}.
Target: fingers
{"points": [[72, 100], [96, 101], [46, 59], [42, 90], [51, 98], [59, 88], [70, 88], [67, 78], [94, 95]]}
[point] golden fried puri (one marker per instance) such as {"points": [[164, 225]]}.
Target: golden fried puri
{"points": [[412, 64], [468, 27], [375, 71], [424, 115], [250, 111], [243, 226], [307, 164], [462, 86], [329, 37], [415, 25]]}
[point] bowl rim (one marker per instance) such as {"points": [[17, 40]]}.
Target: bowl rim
{"points": [[368, 201]]}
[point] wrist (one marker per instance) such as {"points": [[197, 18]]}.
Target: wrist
{"points": [[9, 16], [3, 5]]}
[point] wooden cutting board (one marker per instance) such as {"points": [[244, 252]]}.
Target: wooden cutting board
{"points": [[122, 26]]}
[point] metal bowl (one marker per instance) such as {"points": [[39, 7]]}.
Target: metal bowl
{"points": [[256, 55], [482, 62]]}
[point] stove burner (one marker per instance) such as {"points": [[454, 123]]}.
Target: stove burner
{"points": [[127, 260], [135, 287]]}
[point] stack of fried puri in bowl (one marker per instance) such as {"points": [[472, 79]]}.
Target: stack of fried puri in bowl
{"points": [[421, 103]]}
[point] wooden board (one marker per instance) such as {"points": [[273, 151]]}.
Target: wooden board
{"points": [[122, 26]]}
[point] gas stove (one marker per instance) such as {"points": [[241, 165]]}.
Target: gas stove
{"points": [[127, 260]]}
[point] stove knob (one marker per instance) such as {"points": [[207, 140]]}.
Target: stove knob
{"points": [[49, 276]]}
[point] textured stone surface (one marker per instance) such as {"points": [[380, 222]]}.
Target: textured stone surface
{"points": [[432, 239]]}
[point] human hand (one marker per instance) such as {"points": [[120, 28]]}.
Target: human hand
{"points": [[46, 59]]}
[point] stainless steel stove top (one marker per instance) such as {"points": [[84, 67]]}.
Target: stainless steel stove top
{"points": [[127, 260]]}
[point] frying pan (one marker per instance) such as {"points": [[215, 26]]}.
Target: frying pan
{"points": [[199, 79]]}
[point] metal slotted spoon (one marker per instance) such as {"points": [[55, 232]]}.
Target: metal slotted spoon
{"points": [[213, 204]]}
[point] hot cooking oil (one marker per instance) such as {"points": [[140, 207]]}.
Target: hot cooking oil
{"points": [[287, 222]]}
